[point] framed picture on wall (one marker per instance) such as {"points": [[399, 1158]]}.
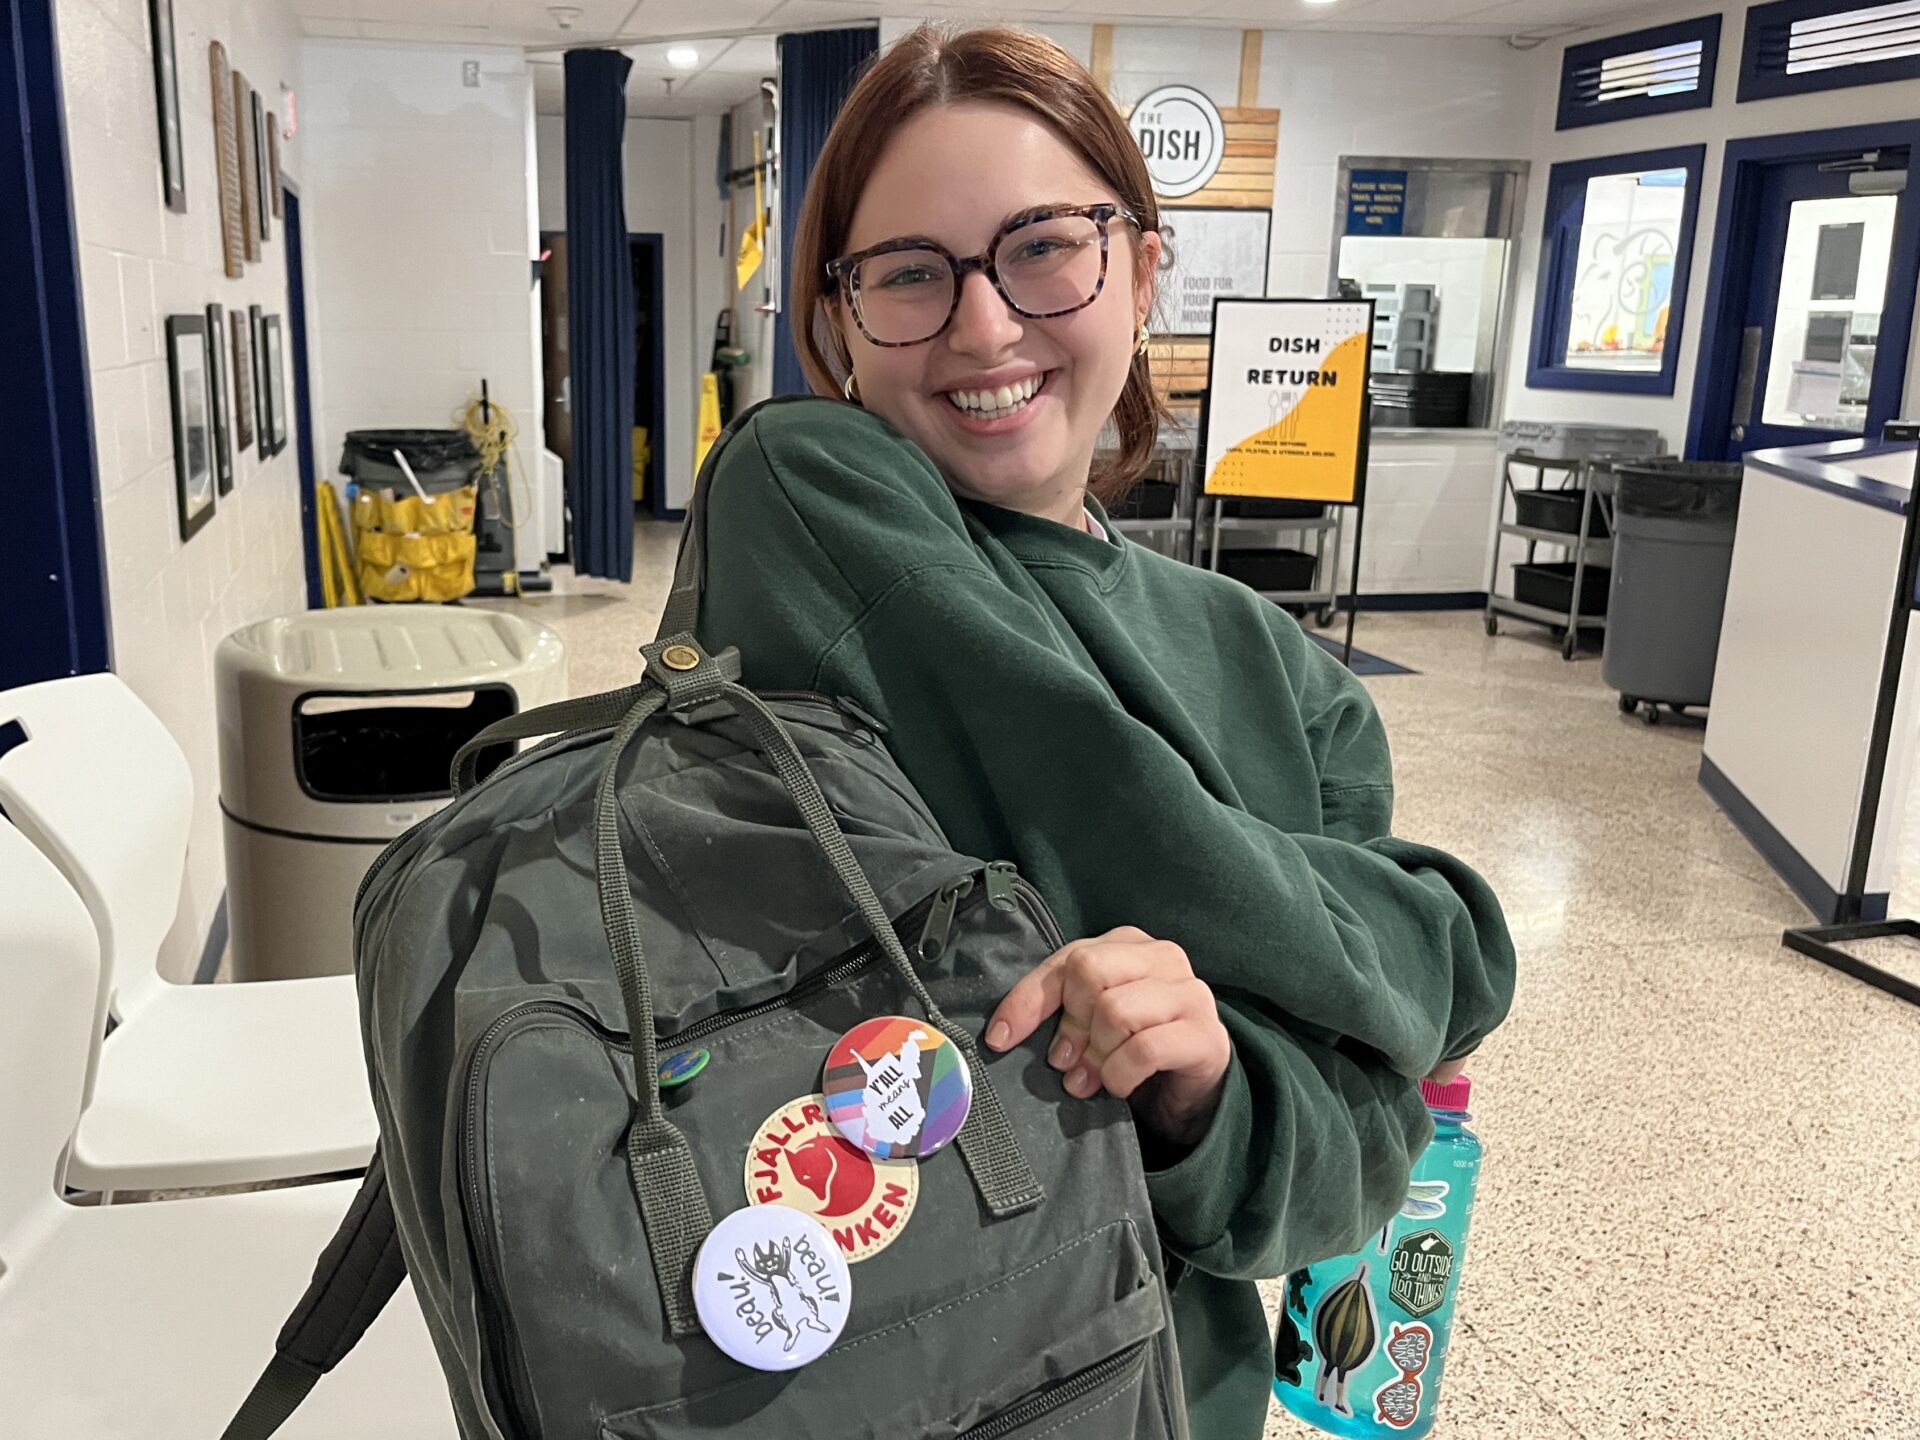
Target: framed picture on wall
{"points": [[226, 162], [166, 88], [273, 163], [256, 322], [217, 388], [263, 181], [243, 113], [242, 382], [273, 366], [191, 386]]}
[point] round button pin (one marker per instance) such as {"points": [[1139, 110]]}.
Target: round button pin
{"points": [[799, 1160], [897, 1088], [678, 1069], [771, 1288]]}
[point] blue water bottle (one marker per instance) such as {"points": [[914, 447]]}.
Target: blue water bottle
{"points": [[1363, 1340]]}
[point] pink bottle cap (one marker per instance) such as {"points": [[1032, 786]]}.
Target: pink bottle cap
{"points": [[1451, 1096]]}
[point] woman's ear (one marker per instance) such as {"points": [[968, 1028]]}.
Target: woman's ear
{"points": [[1146, 281]]}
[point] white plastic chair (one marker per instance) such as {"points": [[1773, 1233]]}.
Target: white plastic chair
{"points": [[151, 1322], [200, 1085]]}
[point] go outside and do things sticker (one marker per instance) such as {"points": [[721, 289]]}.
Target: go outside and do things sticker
{"points": [[897, 1088]]}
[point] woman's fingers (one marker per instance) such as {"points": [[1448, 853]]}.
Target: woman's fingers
{"points": [[1179, 1048], [1125, 1010], [1041, 990], [1094, 970]]}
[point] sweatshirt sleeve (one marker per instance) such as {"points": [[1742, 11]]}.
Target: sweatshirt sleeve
{"points": [[1346, 964]]}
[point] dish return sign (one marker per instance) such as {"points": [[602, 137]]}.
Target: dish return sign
{"points": [[1181, 136]]}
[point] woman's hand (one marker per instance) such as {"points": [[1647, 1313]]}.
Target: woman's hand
{"points": [[1134, 1020]]}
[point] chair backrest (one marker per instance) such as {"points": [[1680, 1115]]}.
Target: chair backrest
{"points": [[103, 788], [49, 978]]}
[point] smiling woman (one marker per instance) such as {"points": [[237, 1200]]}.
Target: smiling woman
{"points": [[1066, 234], [1204, 796]]}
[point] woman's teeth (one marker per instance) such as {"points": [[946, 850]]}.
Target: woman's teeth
{"points": [[997, 404]]}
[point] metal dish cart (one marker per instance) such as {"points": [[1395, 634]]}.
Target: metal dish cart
{"points": [[1321, 600], [1573, 452]]}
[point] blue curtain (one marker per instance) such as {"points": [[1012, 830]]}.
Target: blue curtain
{"points": [[599, 315], [817, 70]]}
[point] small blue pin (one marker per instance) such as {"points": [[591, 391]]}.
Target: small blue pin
{"points": [[679, 1069]]}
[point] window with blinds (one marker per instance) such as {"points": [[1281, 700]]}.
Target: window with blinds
{"points": [[1795, 47], [1647, 72]]}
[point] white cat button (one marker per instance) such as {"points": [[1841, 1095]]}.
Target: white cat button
{"points": [[771, 1287]]}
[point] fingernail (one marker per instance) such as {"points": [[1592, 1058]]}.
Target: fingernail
{"points": [[1077, 1081], [1061, 1053], [998, 1034]]}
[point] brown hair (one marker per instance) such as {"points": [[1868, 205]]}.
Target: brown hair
{"points": [[932, 66]]}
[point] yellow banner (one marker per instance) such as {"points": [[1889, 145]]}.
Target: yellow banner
{"points": [[1286, 403]]}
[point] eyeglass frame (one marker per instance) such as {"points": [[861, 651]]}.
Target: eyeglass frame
{"points": [[841, 271]]}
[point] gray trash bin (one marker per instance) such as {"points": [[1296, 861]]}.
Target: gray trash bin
{"points": [[1673, 546], [337, 728]]}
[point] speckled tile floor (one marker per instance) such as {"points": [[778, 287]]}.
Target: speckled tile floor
{"points": [[1700, 1213]]}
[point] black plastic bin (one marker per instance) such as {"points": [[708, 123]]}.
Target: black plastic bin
{"points": [[1149, 500], [1273, 509], [1277, 569], [1559, 511], [1550, 586], [1674, 523], [441, 459]]}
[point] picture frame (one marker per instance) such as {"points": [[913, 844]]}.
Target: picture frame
{"points": [[273, 164], [256, 323], [226, 162], [262, 180], [217, 381], [242, 382], [244, 141], [189, 377], [166, 89], [274, 366]]}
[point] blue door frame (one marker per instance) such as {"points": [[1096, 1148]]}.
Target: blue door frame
{"points": [[291, 236], [53, 577], [1743, 183]]}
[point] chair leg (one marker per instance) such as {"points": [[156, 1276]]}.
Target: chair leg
{"points": [[106, 1197]]}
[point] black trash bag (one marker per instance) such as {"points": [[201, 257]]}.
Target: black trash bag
{"points": [[368, 455], [1670, 489]]}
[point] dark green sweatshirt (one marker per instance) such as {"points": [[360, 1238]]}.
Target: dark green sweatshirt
{"points": [[1153, 745]]}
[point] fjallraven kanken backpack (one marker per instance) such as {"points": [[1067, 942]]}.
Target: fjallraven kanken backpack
{"points": [[599, 990]]}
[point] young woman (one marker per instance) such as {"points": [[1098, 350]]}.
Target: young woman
{"points": [[1194, 786]]}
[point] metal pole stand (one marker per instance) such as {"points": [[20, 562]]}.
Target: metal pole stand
{"points": [[1822, 942]]}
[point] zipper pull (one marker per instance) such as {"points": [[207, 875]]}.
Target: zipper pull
{"points": [[933, 939], [1000, 877]]}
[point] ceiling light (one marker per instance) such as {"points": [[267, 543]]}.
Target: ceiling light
{"points": [[565, 16], [683, 57]]}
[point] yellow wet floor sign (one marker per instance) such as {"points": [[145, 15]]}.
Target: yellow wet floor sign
{"points": [[752, 250], [709, 421]]}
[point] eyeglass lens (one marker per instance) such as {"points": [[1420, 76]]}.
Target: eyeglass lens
{"points": [[1046, 268]]}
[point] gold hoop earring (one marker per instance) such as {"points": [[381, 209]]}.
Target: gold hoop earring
{"points": [[850, 390], [1142, 340]]}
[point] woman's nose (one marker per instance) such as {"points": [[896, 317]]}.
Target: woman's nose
{"points": [[983, 324]]}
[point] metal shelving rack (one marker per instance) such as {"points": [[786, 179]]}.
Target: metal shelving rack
{"points": [[1583, 545], [1324, 598], [1175, 449]]}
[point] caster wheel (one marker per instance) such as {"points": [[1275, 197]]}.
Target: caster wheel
{"points": [[1570, 645], [1651, 714], [1325, 616], [1628, 705], [1493, 625]]}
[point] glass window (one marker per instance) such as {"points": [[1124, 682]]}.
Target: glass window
{"points": [[1827, 322], [1613, 272], [1647, 72], [1430, 242], [1626, 244]]}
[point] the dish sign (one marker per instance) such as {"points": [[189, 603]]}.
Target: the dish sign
{"points": [[1180, 133], [1286, 407]]}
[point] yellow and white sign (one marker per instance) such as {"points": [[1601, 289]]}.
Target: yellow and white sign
{"points": [[1286, 405]]}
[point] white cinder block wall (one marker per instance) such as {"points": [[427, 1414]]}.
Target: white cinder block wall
{"points": [[171, 602], [423, 239], [1726, 120]]}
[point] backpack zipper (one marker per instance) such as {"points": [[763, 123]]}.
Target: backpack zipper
{"points": [[495, 1315], [1044, 1402]]}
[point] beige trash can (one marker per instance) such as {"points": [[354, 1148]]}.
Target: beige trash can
{"points": [[337, 728]]}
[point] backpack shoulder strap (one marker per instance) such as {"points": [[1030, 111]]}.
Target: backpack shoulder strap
{"points": [[356, 1275]]}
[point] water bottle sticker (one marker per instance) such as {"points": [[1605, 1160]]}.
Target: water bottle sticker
{"points": [[1346, 1331], [1397, 1403], [1420, 1271]]}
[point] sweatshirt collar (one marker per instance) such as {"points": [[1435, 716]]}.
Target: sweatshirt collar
{"points": [[1047, 542]]}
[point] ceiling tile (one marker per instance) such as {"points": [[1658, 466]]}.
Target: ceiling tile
{"points": [[322, 27]]}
